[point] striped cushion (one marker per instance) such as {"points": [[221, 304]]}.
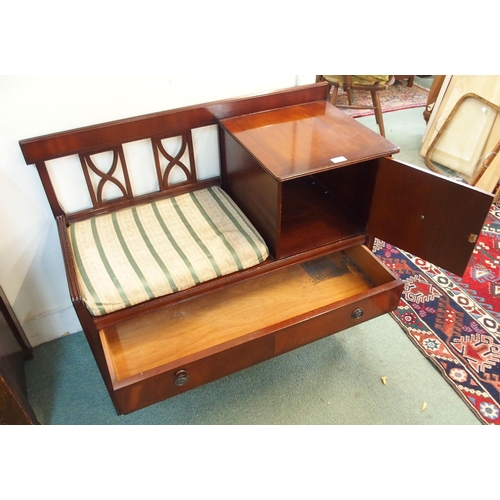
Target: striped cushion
{"points": [[136, 254]]}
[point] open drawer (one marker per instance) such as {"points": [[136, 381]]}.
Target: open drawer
{"points": [[187, 344]]}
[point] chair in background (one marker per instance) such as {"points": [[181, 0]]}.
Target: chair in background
{"points": [[409, 79], [351, 83]]}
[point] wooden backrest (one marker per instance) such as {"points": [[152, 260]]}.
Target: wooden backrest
{"points": [[110, 138]]}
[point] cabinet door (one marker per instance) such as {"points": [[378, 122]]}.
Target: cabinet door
{"points": [[427, 215]]}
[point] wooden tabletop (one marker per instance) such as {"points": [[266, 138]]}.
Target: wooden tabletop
{"points": [[305, 139]]}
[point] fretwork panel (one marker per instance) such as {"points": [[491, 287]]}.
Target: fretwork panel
{"points": [[98, 177], [175, 161]]}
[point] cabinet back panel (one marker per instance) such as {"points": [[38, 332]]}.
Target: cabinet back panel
{"points": [[353, 186], [313, 217]]}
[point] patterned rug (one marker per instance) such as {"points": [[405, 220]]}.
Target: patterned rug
{"points": [[397, 96], [455, 322]]}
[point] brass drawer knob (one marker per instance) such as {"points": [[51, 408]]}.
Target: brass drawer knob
{"points": [[181, 377], [357, 313]]}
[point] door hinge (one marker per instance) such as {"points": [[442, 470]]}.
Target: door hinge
{"points": [[472, 238]]}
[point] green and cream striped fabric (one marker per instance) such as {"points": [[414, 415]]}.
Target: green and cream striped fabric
{"points": [[139, 253]]}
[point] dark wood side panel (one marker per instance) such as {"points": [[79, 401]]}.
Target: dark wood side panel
{"points": [[254, 190], [14, 349], [15, 326], [172, 123], [427, 215]]}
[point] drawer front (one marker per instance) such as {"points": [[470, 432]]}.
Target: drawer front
{"points": [[208, 369], [345, 316], [193, 374]]}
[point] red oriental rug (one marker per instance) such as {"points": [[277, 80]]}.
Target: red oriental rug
{"points": [[453, 321], [397, 96]]}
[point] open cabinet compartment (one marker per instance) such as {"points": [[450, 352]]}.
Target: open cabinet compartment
{"points": [[304, 176], [326, 208], [312, 217]]}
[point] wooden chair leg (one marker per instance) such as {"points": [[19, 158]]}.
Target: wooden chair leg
{"points": [[378, 112], [350, 96], [335, 92]]}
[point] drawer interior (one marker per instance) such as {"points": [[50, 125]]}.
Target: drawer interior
{"points": [[230, 316]]}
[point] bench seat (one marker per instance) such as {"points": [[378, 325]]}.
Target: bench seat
{"points": [[139, 253]]}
